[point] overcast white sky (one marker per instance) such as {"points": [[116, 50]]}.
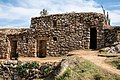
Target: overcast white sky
{"points": [[17, 13]]}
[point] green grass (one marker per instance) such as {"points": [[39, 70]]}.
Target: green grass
{"points": [[114, 62], [65, 75], [86, 70]]}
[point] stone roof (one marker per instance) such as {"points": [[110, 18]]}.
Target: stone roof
{"points": [[88, 13], [12, 31]]}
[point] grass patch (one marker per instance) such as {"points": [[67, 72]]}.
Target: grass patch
{"points": [[86, 70], [65, 75], [114, 62]]}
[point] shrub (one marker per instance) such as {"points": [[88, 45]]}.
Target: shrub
{"points": [[98, 77], [45, 70], [116, 64], [23, 69]]}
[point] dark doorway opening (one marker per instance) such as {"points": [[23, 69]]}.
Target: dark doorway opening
{"points": [[14, 54], [41, 48], [93, 38]]}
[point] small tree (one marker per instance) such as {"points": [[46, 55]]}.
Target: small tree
{"points": [[43, 12]]}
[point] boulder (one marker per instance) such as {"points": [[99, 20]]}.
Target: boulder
{"points": [[117, 47]]}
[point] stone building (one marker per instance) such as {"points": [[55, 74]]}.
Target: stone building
{"points": [[55, 35]]}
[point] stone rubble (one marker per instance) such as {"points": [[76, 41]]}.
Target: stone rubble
{"points": [[114, 49]]}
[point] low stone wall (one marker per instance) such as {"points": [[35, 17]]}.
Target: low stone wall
{"points": [[16, 70]]}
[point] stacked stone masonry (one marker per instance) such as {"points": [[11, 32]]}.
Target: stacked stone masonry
{"points": [[112, 35], [55, 35], [23, 38], [72, 31]]}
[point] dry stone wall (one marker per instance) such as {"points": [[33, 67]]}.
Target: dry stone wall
{"points": [[3, 45], [67, 32], [25, 42], [112, 35]]}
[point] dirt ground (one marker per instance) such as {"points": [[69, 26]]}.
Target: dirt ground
{"points": [[99, 61], [86, 54], [41, 60]]}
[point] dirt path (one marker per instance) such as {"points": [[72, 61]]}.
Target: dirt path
{"points": [[86, 54], [41, 60], [99, 61]]}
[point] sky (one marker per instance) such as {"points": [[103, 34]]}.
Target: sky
{"points": [[18, 13]]}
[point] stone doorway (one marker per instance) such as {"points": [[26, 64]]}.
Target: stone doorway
{"points": [[13, 49], [41, 48], [93, 38]]}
